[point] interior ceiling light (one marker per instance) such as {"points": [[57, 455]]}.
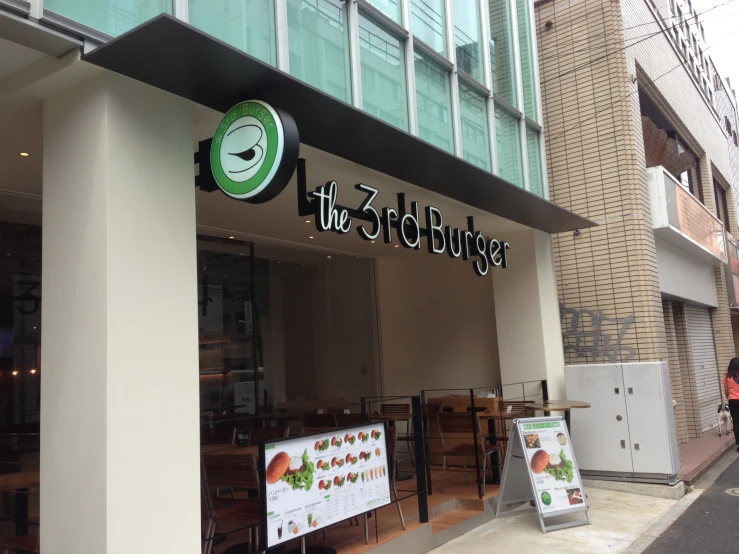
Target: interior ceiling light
{"points": [[33, 372], [307, 220], [310, 237], [15, 372], [232, 237], [24, 154]]}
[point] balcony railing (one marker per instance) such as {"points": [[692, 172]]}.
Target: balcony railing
{"points": [[678, 217]]}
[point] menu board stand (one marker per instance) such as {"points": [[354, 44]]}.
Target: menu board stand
{"points": [[540, 469], [310, 482]]}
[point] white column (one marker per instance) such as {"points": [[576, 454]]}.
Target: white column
{"points": [[527, 314], [119, 402]]}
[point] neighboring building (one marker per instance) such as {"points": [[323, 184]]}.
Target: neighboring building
{"points": [[117, 250], [635, 142], [726, 106]]}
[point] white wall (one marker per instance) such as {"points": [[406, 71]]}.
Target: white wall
{"points": [[684, 277], [527, 312], [120, 409], [437, 324]]}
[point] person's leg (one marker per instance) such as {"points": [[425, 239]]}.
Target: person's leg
{"points": [[734, 411]]}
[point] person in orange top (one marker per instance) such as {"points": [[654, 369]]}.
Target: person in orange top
{"points": [[731, 388]]}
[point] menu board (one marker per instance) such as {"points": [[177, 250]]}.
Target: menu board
{"points": [[314, 481], [551, 465]]}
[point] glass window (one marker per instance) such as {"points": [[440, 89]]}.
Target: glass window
{"points": [[390, 8], [245, 24], [20, 326], [528, 71], [475, 144], [508, 148], [501, 51], [429, 24], [534, 160], [434, 103], [467, 37], [383, 74], [113, 17], [319, 45]]}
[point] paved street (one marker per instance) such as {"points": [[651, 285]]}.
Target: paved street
{"points": [[710, 525]]}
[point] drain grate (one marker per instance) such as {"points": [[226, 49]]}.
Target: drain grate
{"points": [[732, 492]]}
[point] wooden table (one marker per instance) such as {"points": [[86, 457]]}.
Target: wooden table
{"points": [[565, 406], [18, 485]]}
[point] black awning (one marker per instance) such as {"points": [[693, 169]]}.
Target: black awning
{"points": [[174, 56]]}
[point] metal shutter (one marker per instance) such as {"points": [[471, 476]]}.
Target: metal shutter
{"points": [[705, 368]]}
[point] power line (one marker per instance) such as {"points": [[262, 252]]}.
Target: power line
{"points": [[648, 35], [677, 25], [651, 82]]}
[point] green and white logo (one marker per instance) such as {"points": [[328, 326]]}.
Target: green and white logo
{"points": [[254, 151]]}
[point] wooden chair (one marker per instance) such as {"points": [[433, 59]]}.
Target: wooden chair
{"points": [[518, 410], [317, 423], [402, 412], [463, 423], [218, 434], [230, 472], [348, 420], [392, 435], [259, 435], [28, 544]]}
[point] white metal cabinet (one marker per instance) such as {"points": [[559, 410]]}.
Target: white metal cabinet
{"points": [[651, 418], [630, 429], [599, 437]]}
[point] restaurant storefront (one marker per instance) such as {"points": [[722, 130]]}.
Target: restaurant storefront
{"points": [[416, 270]]}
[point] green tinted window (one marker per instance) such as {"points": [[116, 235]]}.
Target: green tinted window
{"points": [[501, 51], [527, 60], [473, 111], [467, 37], [434, 104], [112, 17], [319, 45], [245, 24], [508, 148], [429, 23], [390, 8], [534, 161], [383, 74]]}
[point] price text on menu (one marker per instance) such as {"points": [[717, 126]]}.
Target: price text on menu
{"points": [[557, 485], [318, 480]]}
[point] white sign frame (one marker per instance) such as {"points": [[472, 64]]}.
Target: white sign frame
{"points": [[316, 501], [518, 484]]}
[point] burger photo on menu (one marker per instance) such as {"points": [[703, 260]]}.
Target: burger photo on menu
{"points": [[351, 439], [555, 465], [352, 477], [321, 445], [376, 434], [296, 471], [336, 442], [323, 465], [351, 459]]}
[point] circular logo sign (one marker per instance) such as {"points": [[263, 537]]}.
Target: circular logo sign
{"points": [[254, 151]]}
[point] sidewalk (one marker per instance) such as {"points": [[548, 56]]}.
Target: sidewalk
{"points": [[618, 519], [700, 454]]}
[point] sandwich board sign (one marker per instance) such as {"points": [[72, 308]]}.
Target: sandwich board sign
{"points": [[540, 467]]}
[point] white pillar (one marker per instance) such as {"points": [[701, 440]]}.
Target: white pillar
{"points": [[527, 314], [119, 402]]}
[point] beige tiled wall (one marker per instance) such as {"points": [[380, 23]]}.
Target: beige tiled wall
{"points": [[607, 276], [593, 64], [681, 419]]}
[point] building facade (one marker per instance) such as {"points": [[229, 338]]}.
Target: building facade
{"points": [[143, 285], [636, 142]]}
